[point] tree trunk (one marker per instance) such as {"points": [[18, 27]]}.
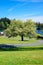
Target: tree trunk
{"points": [[22, 37]]}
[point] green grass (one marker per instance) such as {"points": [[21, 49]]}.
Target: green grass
{"points": [[21, 55], [34, 57], [16, 40]]}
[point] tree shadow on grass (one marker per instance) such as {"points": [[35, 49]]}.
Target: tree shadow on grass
{"points": [[4, 47]]}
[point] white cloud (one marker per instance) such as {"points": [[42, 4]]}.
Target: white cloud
{"points": [[16, 6], [36, 18], [10, 9]]}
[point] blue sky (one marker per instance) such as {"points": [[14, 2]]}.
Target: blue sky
{"points": [[22, 9]]}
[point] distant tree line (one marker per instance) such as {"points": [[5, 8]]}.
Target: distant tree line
{"points": [[39, 25]]}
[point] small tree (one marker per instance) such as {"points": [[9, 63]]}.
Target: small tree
{"points": [[17, 27]]}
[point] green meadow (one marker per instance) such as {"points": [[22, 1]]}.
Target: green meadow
{"points": [[22, 55], [16, 40], [34, 57]]}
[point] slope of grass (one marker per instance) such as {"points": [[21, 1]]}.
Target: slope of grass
{"points": [[15, 40], [34, 57]]}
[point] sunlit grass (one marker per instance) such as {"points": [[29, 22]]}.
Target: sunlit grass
{"points": [[16, 40], [21, 57], [24, 55]]}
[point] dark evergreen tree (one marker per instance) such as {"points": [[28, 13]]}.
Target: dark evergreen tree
{"points": [[4, 22]]}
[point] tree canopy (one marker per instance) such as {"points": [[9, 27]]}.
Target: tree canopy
{"points": [[4, 22], [17, 27]]}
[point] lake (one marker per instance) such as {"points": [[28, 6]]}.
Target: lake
{"points": [[39, 32]]}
